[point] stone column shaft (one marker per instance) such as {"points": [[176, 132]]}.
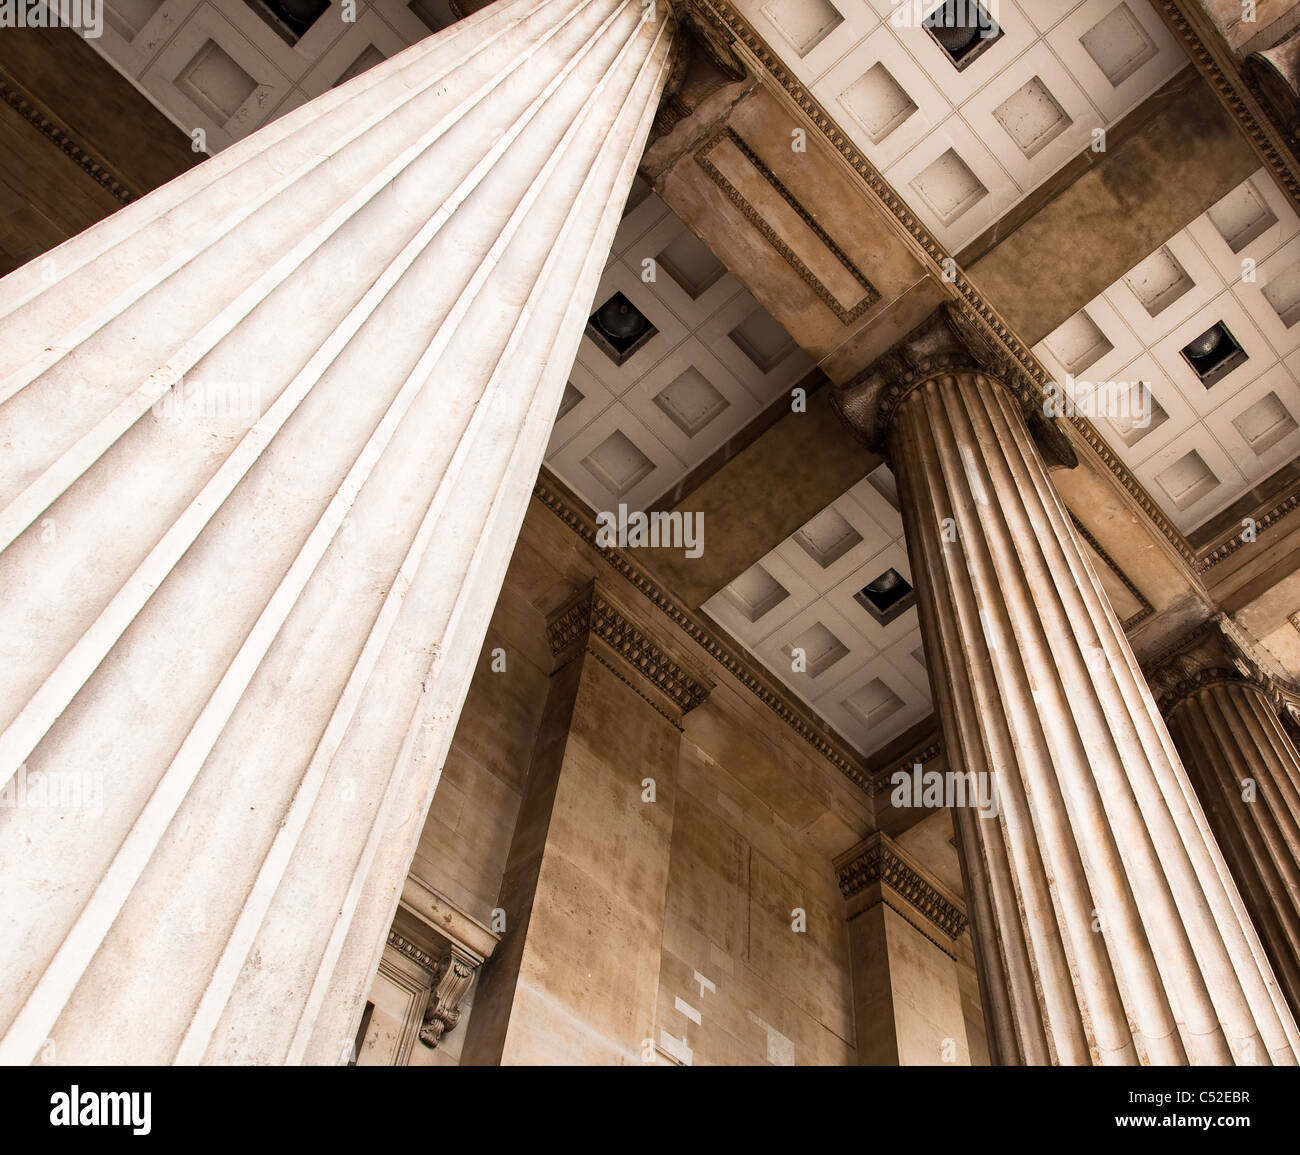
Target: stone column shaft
{"points": [[1247, 774], [266, 439], [1106, 927]]}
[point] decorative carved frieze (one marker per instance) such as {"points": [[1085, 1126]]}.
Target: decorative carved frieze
{"points": [[884, 779], [1270, 517], [664, 681], [879, 862], [416, 954], [63, 138]]}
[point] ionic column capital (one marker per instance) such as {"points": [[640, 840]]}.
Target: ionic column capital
{"points": [[1218, 652], [948, 342]]}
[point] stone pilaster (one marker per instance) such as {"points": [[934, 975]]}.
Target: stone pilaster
{"points": [[270, 432], [585, 887], [1222, 712], [1106, 927], [903, 927]]}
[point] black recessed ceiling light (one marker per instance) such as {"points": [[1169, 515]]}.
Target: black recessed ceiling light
{"points": [[1214, 354], [619, 328], [289, 18], [887, 597], [963, 29]]}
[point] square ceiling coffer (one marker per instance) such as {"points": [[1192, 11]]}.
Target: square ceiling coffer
{"points": [[619, 328]]}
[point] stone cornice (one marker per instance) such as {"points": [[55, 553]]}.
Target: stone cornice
{"points": [[882, 780], [62, 137], [981, 315], [549, 492], [879, 862], [445, 919], [663, 680], [1265, 520]]}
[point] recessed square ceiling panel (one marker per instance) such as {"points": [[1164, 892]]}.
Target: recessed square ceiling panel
{"points": [[1032, 117], [1265, 423], [816, 649], [762, 340], [690, 262], [948, 187], [1079, 343], [1131, 410], [878, 102], [571, 399], [827, 538], [617, 463], [691, 401], [216, 83], [130, 16], [804, 23], [1187, 480], [1282, 292], [873, 703], [756, 592], [1158, 281], [1242, 216], [1119, 44]]}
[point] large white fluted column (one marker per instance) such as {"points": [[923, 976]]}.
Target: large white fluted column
{"points": [[1108, 928], [266, 440]]}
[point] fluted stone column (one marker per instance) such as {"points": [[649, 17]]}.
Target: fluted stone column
{"points": [[266, 439], [1246, 772], [1106, 926]]}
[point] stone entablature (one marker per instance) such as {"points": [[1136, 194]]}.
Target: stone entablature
{"points": [[596, 622]]}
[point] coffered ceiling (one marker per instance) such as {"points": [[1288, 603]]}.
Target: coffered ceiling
{"points": [[865, 677], [627, 433], [226, 69], [1196, 444], [964, 145]]}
